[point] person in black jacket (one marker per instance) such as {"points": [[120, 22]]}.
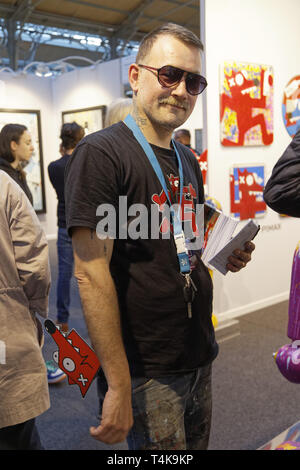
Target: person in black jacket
{"points": [[71, 134], [282, 191], [16, 148]]}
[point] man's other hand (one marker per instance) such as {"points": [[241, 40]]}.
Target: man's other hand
{"points": [[240, 258]]}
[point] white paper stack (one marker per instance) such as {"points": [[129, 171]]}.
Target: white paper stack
{"points": [[220, 236], [221, 245], [220, 259]]}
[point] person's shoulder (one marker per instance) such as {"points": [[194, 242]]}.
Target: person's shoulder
{"points": [[4, 164], [105, 143], [189, 154], [8, 174], [97, 147], [104, 136], [8, 185], [57, 167], [6, 167], [54, 164], [4, 177]]}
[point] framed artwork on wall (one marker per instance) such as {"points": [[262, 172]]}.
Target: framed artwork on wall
{"points": [[91, 119], [247, 183], [291, 106], [34, 169], [246, 104]]}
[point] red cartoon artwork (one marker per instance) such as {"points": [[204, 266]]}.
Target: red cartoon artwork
{"points": [[187, 210], [246, 192], [74, 357], [202, 160], [246, 104]]}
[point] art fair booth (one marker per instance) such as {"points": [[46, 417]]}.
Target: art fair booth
{"points": [[244, 121]]}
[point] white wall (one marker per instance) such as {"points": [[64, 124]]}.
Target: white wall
{"points": [[263, 32]]}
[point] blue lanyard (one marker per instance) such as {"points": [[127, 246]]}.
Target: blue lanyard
{"points": [[179, 238]]}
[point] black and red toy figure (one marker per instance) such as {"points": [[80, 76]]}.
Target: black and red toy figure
{"points": [[74, 357]]}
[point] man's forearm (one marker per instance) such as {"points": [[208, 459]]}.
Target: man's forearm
{"points": [[101, 311]]}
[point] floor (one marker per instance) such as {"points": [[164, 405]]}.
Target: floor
{"points": [[253, 403]]}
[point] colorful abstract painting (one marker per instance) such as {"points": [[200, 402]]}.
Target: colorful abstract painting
{"points": [[291, 106], [246, 104], [246, 191]]}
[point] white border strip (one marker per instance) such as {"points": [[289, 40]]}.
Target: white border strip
{"points": [[243, 310]]}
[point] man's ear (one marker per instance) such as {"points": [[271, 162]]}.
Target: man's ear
{"points": [[133, 75]]}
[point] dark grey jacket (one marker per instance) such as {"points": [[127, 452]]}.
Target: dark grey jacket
{"points": [[282, 192]]}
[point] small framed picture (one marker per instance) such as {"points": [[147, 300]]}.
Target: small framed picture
{"points": [[91, 119]]}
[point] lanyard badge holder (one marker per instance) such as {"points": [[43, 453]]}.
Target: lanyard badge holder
{"points": [[179, 237]]}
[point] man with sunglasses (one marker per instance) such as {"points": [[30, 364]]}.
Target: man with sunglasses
{"points": [[147, 302]]}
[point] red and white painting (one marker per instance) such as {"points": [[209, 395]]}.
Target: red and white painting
{"points": [[246, 191], [246, 104], [291, 106]]}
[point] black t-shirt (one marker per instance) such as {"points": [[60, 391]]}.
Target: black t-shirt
{"points": [[159, 337], [56, 171]]}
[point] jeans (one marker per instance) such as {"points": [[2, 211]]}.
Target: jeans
{"points": [[65, 273], [23, 436], [170, 413]]}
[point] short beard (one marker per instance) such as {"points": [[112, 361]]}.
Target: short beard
{"points": [[157, 123], [168, 126]]}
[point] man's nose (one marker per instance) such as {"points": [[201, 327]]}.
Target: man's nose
{"points": [[180, 88]]}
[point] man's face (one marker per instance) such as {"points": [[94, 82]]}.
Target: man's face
{"points": [[167, 107]]}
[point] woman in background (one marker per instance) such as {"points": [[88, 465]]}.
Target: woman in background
{"points": [[16, 149]]}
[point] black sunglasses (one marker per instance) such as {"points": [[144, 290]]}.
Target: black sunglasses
{"points": [[169, 76]]}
